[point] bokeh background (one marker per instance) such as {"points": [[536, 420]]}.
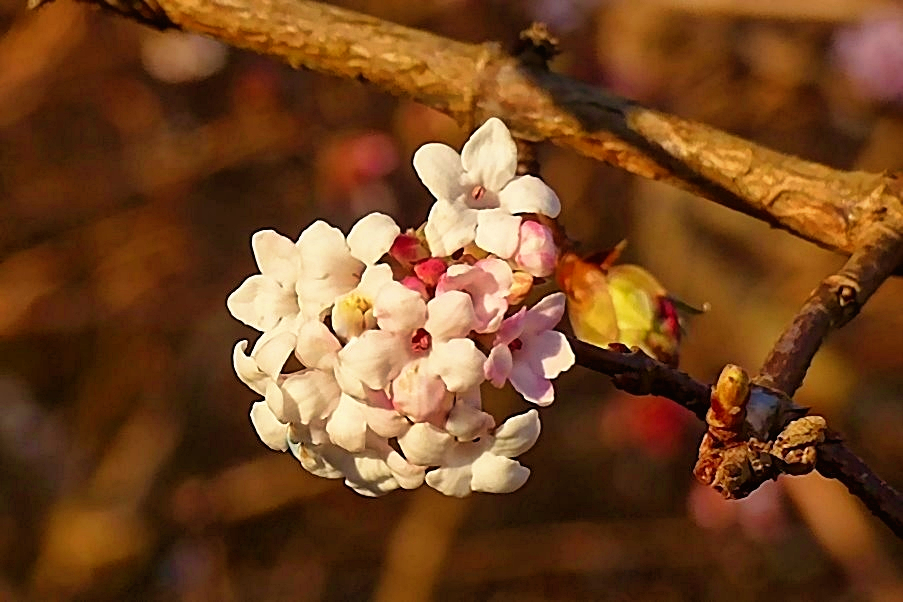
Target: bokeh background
{"points": [[134, 167]]}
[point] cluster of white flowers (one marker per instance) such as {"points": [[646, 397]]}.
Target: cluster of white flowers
{"points": [[375, 345]]}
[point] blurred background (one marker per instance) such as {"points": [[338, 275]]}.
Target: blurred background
{"points": [[134, 167]]}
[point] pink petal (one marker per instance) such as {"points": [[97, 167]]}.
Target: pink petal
{"points": [[530, 383], [498, 365], [551, 350], [421, 395], [511, 328], [546, 313], [537, 252]]}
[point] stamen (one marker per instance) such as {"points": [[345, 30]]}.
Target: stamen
{"points": [[421, 341], [477, 193]]}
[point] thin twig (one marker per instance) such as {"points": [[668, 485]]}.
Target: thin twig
{"points": [[637, 373], [474, 81], [832, 304]]}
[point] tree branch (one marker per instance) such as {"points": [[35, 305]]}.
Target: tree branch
{"points": [[831, 305], [834, 209], [638, 374]]}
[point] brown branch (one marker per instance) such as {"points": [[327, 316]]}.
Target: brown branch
{"points": [[635, 372], [834, 209], [638, 374], [831, 305]]}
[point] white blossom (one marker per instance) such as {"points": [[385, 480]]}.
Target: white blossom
{"points": [[478, 193]]}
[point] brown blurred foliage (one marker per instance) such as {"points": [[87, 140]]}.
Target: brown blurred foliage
{"points": [[134, 167]]}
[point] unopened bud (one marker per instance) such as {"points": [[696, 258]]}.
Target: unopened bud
{"points": [[537, 252]]}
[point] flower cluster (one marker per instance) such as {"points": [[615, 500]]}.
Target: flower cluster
{"points": [[375, 346]]}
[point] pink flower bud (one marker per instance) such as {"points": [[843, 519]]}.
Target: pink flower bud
{"points": [[536, 252], [416, 284], [430, 271], [521, 285], [408, 249]]}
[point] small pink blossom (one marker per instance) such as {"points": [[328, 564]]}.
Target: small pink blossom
{"points": [[528, 353], [488, 282]]}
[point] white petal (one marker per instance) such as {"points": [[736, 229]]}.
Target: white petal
{"points": [[490, 156], [516, 435], [369, 475], [450, 315], [316, 347], [449, 227], [467, 423], [372, 237], [408, 475], [375, 357], [247, 370], [458, 362], [529, 194], [346, 426], [453, 481], [498, 232], [261, 303], [399, 309], [495, 474], [269, 429], [546, 314], [314, 392], [282, 407], [314, 461], [327, 267], [385, 422], [373, 279], [425, 445], [276, 256], [272, 350], [439, 168]]}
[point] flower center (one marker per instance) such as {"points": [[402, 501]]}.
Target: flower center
{"points": [[421, 341], [516, 345], [478, 192]]}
